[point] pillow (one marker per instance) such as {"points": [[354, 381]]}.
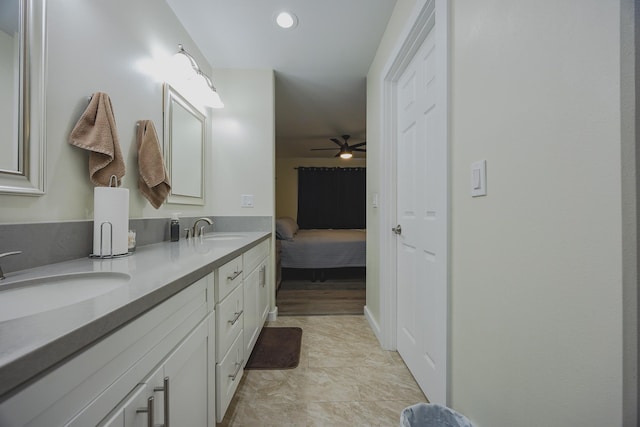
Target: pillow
{"points": [[286, 228]]}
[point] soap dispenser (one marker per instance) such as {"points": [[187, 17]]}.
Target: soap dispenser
{"points": [[175, 227]]}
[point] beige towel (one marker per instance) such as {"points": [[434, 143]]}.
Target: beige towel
{"points": [[153, 180], [96, 132]]}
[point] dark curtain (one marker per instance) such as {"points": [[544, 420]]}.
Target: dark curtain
{"points": [[332, 197]]}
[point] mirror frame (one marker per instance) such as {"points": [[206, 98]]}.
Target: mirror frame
{"points": [[30, 180], [171, 97]]}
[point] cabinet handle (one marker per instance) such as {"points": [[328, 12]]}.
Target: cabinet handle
{"points": [[235, 319], [235, 274], [165, 389], [149, 411], [238, 367], [263, 275]]}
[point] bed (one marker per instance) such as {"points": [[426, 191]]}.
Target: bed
{"points": [[320, 249]]}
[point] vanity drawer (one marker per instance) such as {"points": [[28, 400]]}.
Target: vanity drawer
{"points": [[228, 375], [253, 257], [229, 321], [229, 276]]}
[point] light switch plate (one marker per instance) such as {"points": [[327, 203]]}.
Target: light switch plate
{"points": [[246, 201], [479, 178]]}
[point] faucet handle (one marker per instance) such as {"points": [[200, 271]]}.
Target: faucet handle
{"points": [[187, 233]]}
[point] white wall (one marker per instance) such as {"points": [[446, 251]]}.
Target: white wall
{"points": [[99, 46], [244, 142], [287, 179], [395, 26], [536, 290]]}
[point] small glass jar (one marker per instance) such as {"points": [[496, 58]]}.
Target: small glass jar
{"points": [[132, 241]]}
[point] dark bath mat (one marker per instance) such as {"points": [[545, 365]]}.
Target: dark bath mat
{"points": [[276, 348]]}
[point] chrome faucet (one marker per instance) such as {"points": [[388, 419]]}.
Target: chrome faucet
{"points": [[4, 255], [198, 232]]}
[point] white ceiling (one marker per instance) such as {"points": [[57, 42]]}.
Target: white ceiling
{"points": [[320, 66]]}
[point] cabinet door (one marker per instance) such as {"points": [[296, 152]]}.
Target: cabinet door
{"points": [[251, 330], [263, 294], [133, 412], [115, 420], [136, 408], [185, 382]]}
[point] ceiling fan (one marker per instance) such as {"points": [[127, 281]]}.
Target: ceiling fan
{"points": [[346, 150]]}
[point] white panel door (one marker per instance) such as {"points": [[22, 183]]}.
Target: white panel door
{"points": [[187, 373], [421, 154]]}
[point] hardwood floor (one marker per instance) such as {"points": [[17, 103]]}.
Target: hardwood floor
{"points": [[342, 292]]}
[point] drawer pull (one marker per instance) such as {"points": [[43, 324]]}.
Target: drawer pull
{"points": [[263, 275], [149, 411], [234, 275], [238, 367], [235, 319], [165, 389]]}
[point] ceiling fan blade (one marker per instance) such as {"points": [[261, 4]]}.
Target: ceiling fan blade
{"points": [[337, 155], [336, 141], [360, 144], [321, 149], [359, 149]]}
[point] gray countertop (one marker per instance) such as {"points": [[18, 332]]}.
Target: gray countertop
{"points": [[34, 344]]}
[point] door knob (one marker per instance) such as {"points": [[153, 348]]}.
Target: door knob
{"points": [[397, 230]]}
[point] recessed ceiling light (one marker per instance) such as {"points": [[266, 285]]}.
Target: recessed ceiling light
{"points": [[287, 20]]}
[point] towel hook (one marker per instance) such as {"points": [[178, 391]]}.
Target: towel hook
{"points": [[113, 179]]}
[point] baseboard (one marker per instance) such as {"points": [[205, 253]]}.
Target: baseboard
{"points": [[372, 322], [273, 315]]}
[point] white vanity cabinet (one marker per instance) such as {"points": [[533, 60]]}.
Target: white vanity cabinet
{"points": [[242, 305], [174, 358], [107, 383]]}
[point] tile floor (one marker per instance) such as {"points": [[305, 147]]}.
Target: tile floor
{"points": [[344, 379]]}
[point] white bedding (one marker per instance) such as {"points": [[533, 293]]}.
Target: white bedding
{"points": [[325, 249]]}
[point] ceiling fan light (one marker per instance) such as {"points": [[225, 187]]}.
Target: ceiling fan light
{"points": [[346, 155]]}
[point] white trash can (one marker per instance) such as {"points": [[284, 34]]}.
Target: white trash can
{"points": [[432, 415]]}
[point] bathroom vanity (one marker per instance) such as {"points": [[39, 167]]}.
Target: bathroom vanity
{"points": [[165, 344]]}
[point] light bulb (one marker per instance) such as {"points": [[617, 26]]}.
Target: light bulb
{"points": [[286, 20]]}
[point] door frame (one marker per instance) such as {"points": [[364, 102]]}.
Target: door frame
{"points": [[422, 21]]}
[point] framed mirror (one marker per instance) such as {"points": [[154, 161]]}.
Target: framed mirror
{"points": [[184, 137], [22, 105]]}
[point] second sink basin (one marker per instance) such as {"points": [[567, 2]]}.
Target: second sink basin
{"points": [[20, 298]]}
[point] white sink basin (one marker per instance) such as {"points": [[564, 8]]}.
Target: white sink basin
{"points": [[36, 295], [224, 236]]}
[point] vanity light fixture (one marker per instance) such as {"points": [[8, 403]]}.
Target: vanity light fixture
{"points": [[192, 70], [287, 20]]}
